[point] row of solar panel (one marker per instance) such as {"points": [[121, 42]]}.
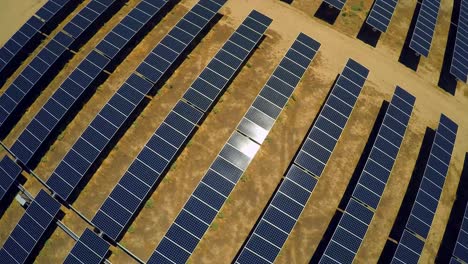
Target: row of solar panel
{"points": [[460, 250], [204, 91], [352, 227], [459, 65], [31, 227], [80, 80], [208, 197], [25, 83], [381, 14], [423, 33], [313, 156], [422, 213], [123, 103], [89, 249], [25, 35], [161, 149], [9, 172], [260, 118], [287, 204]]}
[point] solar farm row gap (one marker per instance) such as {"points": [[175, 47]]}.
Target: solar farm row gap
{"points": [[209, 196], [357, 216], [281, 215], [170, 138], [124, 102], [81, 80]]}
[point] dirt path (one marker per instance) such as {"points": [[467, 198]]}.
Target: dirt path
{"points": [[248, 199]]}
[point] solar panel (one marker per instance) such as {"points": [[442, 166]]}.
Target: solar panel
{"points": [[409, 249], [459, 65], [89, 249], [46, 59], [80, 80], [30, 229], [31, 29], [339, 4], [460, 251], [430, 189], [425, 26], [9, 172], [295, 189], [353, 225], [173, 133], [208, 197], [381, 14], [123, 103]]}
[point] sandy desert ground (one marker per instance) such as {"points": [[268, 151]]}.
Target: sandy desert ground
{"points": [[232, 226]]}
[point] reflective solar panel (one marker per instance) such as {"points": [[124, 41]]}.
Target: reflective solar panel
{"points": [[423, 33], [300, 180], [46, 16], [115, 113], [30, 229], [89, 249], [77, 83], [43, 62], [459, 65], [162, 147], [9, 172], [381, 14], [366, 195], [227, 168]]}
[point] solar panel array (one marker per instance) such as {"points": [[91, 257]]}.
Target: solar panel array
{"points": [[381, 14], [275, 225], [9, 172], [31, 29], [128, 195], [460, 251], [430, 189], [81, 79], [89, 249], [45, 60], [205, 202], [425, 26], [113, 115], [339, 4], [357, 216], [29, 231], [459, 65]]}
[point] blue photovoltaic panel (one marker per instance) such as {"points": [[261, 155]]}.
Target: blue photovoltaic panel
{"points": [[80, 80], [425, 26], [24, 36], [31, 227], [113, 115], [430, 189], [460, 251], [47, 57], [381, 14], [89, 249], [339, 4], [174, 132], [209, 196], [350, 232], [409, 249], [9, 172], [432, 183], [298, 184], [459, 66]]}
